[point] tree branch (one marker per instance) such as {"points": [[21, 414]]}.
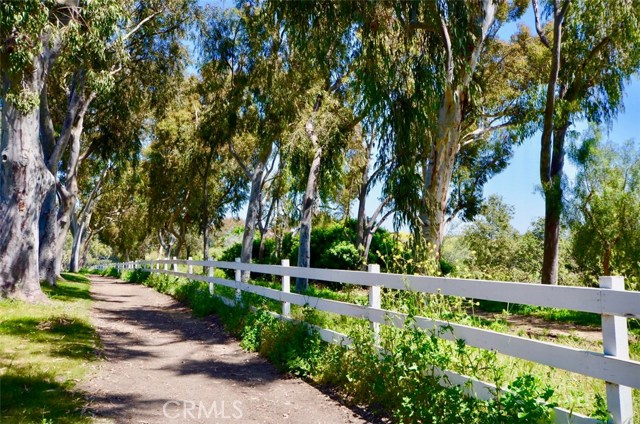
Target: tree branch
{"points": [[140, 24], [239, 160], [539, 30]]}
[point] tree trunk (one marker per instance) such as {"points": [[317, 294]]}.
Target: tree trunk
{"points": [[78, 229], [553, 194], [205, 209], [362, 204], [251, 218], [24, 184], [606, 261], [82, 222], [437, 173], [55, 218], [69, 193], [86, 243], [261, 248], [549, 177], [48, 224], [304, 251]]}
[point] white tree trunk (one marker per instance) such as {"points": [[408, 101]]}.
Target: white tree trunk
{"points": [[439, 170], [252, 215], [304, 251]]}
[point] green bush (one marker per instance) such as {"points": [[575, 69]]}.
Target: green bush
{"points": [[332, 246], [135, 276], [111, 272], [341, 255]]}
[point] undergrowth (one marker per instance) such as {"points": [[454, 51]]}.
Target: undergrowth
{"points": [[399, 377]]}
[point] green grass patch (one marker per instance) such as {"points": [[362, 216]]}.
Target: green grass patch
{"points": [[549, 314], [74, 278], [44, 351]]}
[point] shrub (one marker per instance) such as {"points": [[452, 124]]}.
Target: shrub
{"points": [[341, 255], [135, 276], [111, 272], [332, 246]]}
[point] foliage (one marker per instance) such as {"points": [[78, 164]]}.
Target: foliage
{"points": [[491, 238], [605, 218], [111, 272], [342, 255], [526, 401], [332, 246], [138, 275]]}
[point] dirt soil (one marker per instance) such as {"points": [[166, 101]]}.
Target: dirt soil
{"points": [[163, 366]]}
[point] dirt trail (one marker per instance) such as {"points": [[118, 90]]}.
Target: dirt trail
{"points": [[162, 366]]}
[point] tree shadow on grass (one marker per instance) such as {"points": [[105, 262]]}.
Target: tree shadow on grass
{"points": [[65, 336], [30, 396], [66, 292]]}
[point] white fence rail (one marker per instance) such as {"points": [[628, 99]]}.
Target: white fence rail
{"points": [[610, 301]]}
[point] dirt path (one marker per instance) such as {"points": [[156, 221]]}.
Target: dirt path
{"points": [[162, 366]]}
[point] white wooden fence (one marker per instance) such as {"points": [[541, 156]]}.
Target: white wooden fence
{"points": [[610, 301]]}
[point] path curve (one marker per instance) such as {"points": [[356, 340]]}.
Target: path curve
{"points": [[162, 366]]}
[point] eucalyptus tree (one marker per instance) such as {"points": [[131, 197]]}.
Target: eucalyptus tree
{"points": [[195, 182], [594, 49], [35, 34], [321, 38], [140, 54], [120, 218], [444, 110], [421, 72], [81, 219], [247, 96], [605, 207], [369, 174]]}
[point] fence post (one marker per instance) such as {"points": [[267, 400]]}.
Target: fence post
{"points": [[375, 301], [286, 288], [190, 266], [615, 341], [211, 273], [166, 265], [238, 279], [175, 265]]}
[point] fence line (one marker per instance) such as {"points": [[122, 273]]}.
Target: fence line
{"points": [[611, 301]]}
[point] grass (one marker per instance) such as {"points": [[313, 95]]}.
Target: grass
{"points": [[548, 314], [44, 352]]}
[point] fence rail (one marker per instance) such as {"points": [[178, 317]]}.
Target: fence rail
{"points": [[610, 300]]}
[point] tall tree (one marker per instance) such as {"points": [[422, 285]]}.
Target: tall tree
{"points": [[605, 218], [143, 51], [594, 48], [245, 70], [34, 35]]}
